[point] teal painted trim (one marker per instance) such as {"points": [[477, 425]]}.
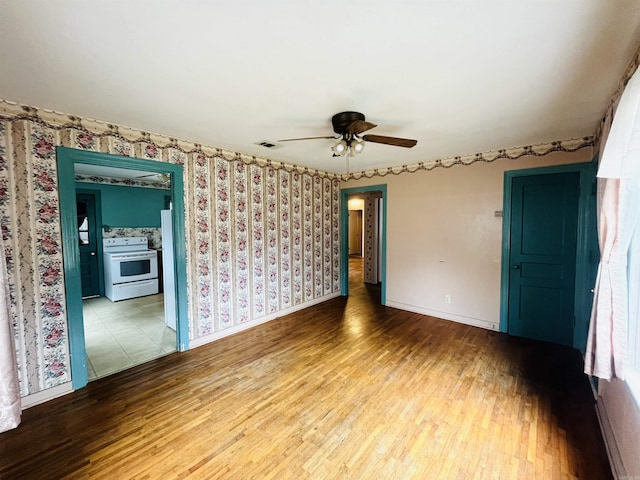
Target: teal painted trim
{"points": [[71, 259], [506, 252], [98, 205], [586, 222], [345, 193], [383, 267], [587, 239], [344, 238], [66, 158], [178, 215]]}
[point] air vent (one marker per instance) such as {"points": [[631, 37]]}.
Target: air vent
{"points": [[269, 144]]}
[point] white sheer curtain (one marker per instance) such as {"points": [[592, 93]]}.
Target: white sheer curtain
{"points": [[10, 407], [619, 211]]}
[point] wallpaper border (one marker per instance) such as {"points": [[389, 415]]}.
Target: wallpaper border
{"points": [[10, 110], [13, 111], [632, 66], [126, 182], [539, 150]]}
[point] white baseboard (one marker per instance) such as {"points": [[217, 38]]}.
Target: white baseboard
{"points": [[475, 322], [198, 342], [46, 395], [615, 459]]}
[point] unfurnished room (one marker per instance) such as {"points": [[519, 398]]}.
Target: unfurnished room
{"points": [[323, 240]]}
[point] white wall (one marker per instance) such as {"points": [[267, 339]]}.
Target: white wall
{"points": [[620, 421], [443, 237]]}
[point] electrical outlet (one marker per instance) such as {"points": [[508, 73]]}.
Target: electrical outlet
{"points": [[447, 299]]}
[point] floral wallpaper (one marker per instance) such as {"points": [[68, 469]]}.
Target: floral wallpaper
{"points": [[153, 234], [261, 236], [123, 181], [370, 228], [29, 217]]}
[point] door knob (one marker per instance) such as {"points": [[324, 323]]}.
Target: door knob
{"points": [[516, 267], [93, 254]]}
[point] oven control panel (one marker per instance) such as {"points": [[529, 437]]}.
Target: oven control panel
{"points": [[125, 241]]}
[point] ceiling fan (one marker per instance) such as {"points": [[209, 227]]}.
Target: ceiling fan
{"points": [[349, 126]]}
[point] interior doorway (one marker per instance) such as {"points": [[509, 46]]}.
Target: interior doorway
{"points": [[365, 234], [370, 201], [544, 221], [355, 231], [127, 322], [87, 206], [67, 159], [549, 255]]}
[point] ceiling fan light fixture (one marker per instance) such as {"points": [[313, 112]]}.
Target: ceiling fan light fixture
{"points": [[357, 145], [348, 126], [340, 147]]}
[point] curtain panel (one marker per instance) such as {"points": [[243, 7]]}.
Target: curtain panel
{"points": [[10, 407], [618, 214]]}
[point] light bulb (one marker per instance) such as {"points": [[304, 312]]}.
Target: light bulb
{"points": [[357, 145], [340, 148]]}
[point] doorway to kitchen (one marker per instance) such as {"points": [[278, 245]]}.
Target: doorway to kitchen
{"points": [[147, 309], [127, 321]]}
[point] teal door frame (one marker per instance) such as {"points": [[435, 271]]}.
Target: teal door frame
{"points": [[98, 206], [67, 158], [586, 229], [345, 193]]}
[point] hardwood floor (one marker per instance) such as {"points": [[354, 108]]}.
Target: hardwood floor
{"points": [[346, 389]]}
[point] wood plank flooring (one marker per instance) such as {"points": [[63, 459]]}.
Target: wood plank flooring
{"points": [[346, 389]]}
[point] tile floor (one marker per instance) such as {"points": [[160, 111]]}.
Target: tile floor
{"points": [[120, 335]]}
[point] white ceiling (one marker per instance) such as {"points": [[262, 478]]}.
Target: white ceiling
{"points": [[460, 77]]}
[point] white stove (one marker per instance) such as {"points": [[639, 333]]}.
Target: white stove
{"points": [[130, 268]]}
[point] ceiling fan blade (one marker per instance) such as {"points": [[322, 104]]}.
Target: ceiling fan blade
{"points": [[359, 126], [303, 138], [396, 142]]}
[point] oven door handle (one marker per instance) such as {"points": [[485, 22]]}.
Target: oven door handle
{"points": [[132, 256]]}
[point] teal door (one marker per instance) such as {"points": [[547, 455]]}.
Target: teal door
{"points": [[88, 237], [544, 219]]}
